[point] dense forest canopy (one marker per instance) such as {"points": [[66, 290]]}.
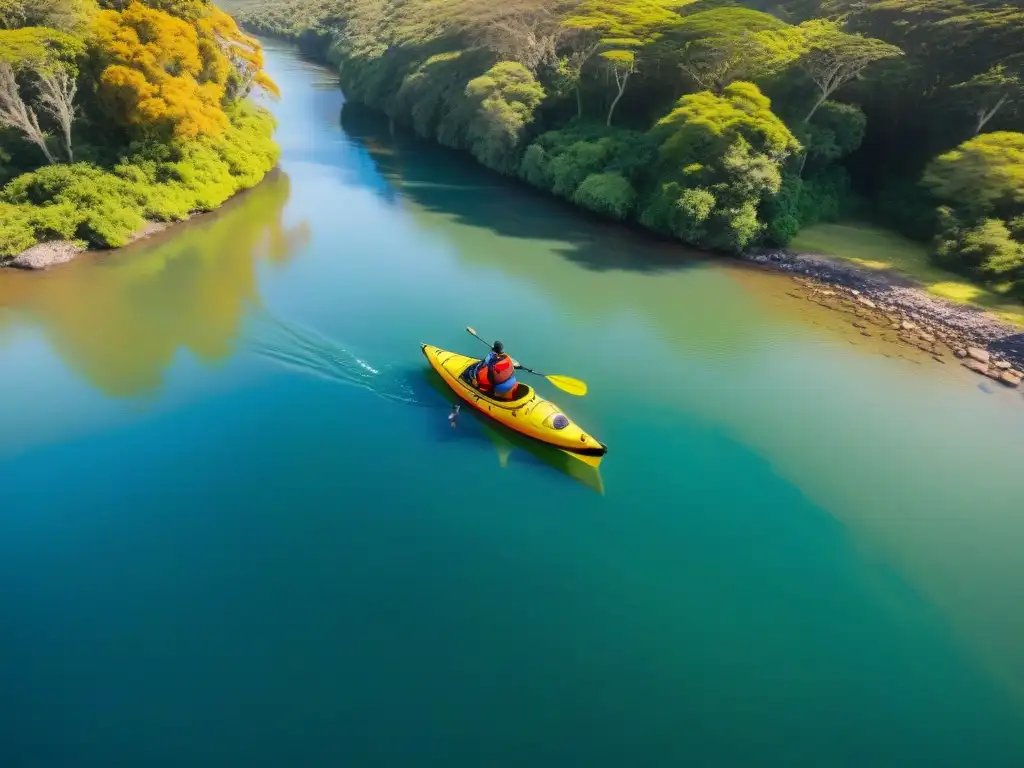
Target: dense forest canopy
{"points": [[725, 124], [114, 112]]}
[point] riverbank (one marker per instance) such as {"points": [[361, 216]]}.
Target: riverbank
{"points": [[59, 211], [54, 253], [889, 305]]}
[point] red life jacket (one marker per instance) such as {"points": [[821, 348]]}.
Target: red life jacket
{"points": [[501, 369]]}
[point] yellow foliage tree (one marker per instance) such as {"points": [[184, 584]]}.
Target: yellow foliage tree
{"points": [[163, 73]]}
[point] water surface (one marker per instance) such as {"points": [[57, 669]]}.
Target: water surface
{"points": [[235, 527]]}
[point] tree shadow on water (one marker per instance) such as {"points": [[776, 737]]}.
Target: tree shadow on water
{"points": [[450, 183]]}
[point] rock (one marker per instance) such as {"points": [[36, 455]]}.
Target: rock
{"points": [[859, 325], [828, 293], [1003, 364], [960, 352], [928, 337], [906, 325], [761, 259], [980, 355], [1009, 379], [864, 333], [45, 255], [866, 302], [976, 366], [938, 359], [855, 292]]}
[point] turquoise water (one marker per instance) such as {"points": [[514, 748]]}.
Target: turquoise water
{"points": [[236, 529]]}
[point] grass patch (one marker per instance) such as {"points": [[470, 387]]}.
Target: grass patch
{"points": [[875, 248]]}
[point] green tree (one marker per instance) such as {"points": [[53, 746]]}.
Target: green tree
{"points": [[625, 28], [505, 97], [982, 177], [719, 159], [725, 44], [986, 94], [835, 57]]}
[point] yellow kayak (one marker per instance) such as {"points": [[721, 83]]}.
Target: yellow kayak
{"points": [[529, 414]]}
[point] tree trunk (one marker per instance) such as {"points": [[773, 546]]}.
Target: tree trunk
{"points": [[579, 103], [814, 109], [620, 81], [57, 96], [984, 116]]}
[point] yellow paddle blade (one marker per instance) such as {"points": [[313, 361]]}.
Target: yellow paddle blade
{"points": [[569, 384]]}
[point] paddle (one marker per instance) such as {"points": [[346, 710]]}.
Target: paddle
{"points": [[564, 383]]}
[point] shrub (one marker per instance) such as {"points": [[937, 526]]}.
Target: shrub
{"points": [[505, 98], [606, 193]]}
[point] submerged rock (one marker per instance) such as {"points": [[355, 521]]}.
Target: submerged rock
{"points": [[976, 366], [1009, 379]]}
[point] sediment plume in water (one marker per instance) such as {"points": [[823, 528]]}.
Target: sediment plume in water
{"points": [[308, 351]]}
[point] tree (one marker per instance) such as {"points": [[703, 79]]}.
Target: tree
{"points": [[726, 44], [625, 28], [835, 57], [525, 31], [720, 157], [506, 97], [14, 113], [983, 177], [62, 15], [162, 73], [580, 46], [47, 55], [57, 91], [987, 93]]}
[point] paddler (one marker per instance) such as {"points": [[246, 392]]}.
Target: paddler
{"points": [[496, 374]]}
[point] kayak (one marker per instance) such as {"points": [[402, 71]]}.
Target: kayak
{"points": [[529, 414]]}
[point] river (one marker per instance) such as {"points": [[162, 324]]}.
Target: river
{"points": [[236, 528]]}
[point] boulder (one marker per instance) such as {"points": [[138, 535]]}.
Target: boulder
{"points": [[976, 366], [1009, 379], [866, 302], [1003, 364], [981, 355], [45, 255], [928, 337], [906, 325], [761, 259], [961, 353]]}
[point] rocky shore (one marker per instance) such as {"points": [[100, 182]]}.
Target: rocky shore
{"points": [[886, 304], [55, 252]]}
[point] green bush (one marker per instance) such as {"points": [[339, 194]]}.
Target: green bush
{"points": [[679, 212], [559, 161], [164, 182], [505, 98], [535, 167], [606, 193]]}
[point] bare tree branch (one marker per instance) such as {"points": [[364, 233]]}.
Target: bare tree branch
{"points": [[57, 91], [14, 113]]}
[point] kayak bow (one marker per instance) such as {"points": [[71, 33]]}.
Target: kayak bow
{"points": [[529, 414]]}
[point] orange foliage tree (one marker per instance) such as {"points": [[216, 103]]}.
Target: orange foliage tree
{"points": [[163, 73]]}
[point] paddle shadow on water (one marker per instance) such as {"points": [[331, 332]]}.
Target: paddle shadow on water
{"points": [[446, 181]]}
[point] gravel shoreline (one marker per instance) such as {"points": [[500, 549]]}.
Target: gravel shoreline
{"points": [[982, 342]]}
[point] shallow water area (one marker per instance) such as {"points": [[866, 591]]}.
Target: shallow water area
{"points": [[236, 526]]}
